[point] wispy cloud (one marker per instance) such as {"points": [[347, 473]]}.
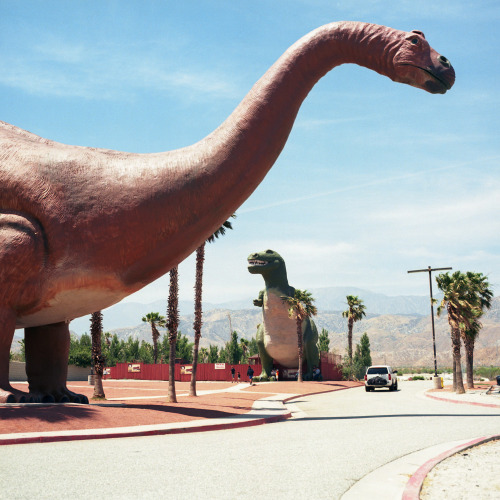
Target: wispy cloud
{"points": [[56, 68]]}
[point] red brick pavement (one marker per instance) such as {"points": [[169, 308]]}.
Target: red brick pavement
{"points": [[121, 412]]}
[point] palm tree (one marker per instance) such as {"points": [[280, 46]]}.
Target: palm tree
{"points": [[244, 345], [198, 287], [355, 313], [203, 355], [301, 306], [172, 325], [97, 357], [154, 319], [465, 296], [481, 296]]}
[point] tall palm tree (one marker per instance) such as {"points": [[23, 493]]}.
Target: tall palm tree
{"points": [[198, 287], [465, 295], [97, 357], [154, 319], [481, 297], [172, 325], [301, 306], [355, 313]]}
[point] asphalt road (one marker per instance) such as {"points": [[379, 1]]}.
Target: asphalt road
{"points": [[338, 438]]}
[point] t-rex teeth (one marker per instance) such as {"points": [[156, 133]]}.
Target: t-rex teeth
{"points": [[257, 262]]}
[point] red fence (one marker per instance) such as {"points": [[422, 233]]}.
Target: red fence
{"points": [[329, 366], [206, 371]]}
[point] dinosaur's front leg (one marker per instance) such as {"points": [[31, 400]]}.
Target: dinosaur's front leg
{"points": [[7, 326], [47, 350]]}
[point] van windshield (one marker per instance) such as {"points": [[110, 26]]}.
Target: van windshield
{"points": [[377, 370]]}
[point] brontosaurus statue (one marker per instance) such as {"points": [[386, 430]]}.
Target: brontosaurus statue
{"points": [[82, 228]]}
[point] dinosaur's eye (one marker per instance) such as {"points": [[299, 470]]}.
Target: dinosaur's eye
{"points": [[269, 251], [414, 41]]}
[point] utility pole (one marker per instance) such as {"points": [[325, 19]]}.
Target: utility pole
{"points": [[429, 270]]}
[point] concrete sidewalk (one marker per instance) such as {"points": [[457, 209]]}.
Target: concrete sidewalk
{"points": [[404, 478]]}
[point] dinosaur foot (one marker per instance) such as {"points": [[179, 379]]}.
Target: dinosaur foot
{"points": [[11, 395], [59, 395]]}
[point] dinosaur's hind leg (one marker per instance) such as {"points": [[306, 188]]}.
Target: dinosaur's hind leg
{"points": [[21, 261], [7, 326], [47, 349]]}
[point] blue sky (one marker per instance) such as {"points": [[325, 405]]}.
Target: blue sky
{"points": [[377, 178]]}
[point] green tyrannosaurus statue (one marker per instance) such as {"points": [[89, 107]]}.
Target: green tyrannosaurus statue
{"points": [[277, 334]]}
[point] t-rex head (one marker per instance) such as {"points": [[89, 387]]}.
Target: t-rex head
{"points": [[419, 65], [265, 262]]}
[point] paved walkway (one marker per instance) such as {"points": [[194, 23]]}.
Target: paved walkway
{"points": [[136, 408]]}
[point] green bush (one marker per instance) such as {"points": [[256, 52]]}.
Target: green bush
{"points": [[489, 372]]}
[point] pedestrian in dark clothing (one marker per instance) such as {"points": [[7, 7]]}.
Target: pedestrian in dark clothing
{"points": [[250, 374]]}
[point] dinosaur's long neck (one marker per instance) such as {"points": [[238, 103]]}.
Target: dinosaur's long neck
{"points": [[221, 171]]}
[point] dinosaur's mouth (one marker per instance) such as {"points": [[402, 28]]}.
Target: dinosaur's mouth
{"points": [[257, 262]]}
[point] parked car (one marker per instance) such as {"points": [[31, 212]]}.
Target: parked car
{"points": [[381, 376]]}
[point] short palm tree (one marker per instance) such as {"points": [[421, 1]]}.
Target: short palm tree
{"points": [[172, 325], [155, 319], [198, 287], [300, 306], [465, 296], [355, 313], [244, 345], [97, 357], [203, 355]]}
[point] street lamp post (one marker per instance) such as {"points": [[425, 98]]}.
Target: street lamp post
{"points": [[429, 270]]}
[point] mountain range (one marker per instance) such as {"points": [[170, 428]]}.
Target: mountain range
{"points": [[399, 327]]}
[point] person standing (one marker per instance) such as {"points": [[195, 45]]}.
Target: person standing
{"points": [[232, 374], [250, 374]]}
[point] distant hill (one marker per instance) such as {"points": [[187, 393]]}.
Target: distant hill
{"points": [[126, 314]]}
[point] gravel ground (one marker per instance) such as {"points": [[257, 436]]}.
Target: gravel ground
{"points": [[470, 474]]}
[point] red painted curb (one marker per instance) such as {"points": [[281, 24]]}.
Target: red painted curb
{"points": [[157, 432], [447, 400], [414, 485]]}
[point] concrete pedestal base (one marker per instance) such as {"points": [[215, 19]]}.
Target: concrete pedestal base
{"points": [[438, 382]]}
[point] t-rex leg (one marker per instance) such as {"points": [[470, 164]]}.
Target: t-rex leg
{"points": [[47, 349], [265, 359], [7, 326], [311, 353]]}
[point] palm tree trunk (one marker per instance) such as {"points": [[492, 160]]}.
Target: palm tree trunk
{"points": [[299, 345], [350, 325], [469, 359], [155, 342], [457, 358], [454, 373], [173, 323], [97, 358], [200, 257]]}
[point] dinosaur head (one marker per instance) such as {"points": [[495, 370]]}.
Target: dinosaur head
{"points": [[265, 262], [419, 65]]}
